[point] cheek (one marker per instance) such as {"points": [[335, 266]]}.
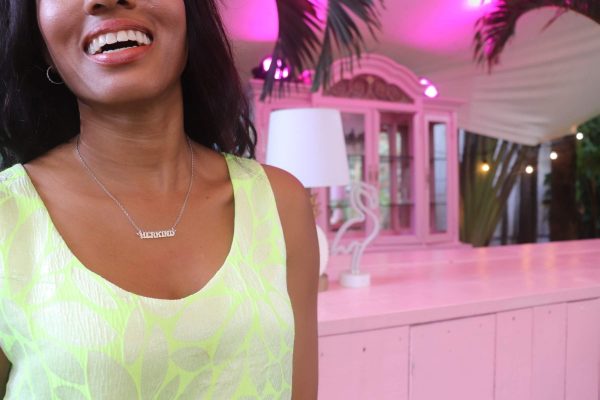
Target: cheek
{"points": [[55, 20], [175, 12]]}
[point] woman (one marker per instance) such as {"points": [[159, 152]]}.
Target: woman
{"points": [[140, 255]]}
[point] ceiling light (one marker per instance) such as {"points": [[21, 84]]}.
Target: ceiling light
{"points": [[431, 91]]}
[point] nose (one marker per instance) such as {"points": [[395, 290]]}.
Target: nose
{"points": [[95, 7]]}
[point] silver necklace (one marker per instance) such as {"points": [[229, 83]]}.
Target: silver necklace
{"points": [[167, 233]]}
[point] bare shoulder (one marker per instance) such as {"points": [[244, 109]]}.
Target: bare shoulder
{"points": [[287, 188], [293, 203], [56, 168], [295, 210], [211, 166]]}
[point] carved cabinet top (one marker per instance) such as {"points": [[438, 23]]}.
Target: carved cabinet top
{"points": [[368, 87]]}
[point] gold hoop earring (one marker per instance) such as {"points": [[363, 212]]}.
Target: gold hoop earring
{"points": [[54, 82]]}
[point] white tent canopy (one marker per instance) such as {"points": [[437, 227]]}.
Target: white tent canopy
{"points": [[547, 83]]}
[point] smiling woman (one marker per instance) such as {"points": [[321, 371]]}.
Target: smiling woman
{"points": [[143, 253]]}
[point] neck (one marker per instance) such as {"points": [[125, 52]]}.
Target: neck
{"points": [[142, 145]]}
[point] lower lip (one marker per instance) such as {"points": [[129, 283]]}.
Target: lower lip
{"points": [[121, 57]]}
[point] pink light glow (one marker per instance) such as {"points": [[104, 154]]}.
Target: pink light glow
{"points": [[306, 76], [478, 3], [445, 26], [280, 73], [424, 81], [267, 63], [321, 7], [431, 91], [250, 20]]}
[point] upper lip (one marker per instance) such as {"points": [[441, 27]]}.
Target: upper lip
{"points": [[114, 25]]}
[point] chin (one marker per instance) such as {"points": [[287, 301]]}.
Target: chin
{"points": [[132, 93]]}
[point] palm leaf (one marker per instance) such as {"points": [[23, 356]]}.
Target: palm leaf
{"points": [[484, 196], [342, 30], [495, 29], [304, 42], [297, 40]]}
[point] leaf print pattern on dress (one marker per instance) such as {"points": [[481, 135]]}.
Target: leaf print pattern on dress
{"points": [[191, 359], [87, 328], [74, 335], [98, 364], [155, 363]]}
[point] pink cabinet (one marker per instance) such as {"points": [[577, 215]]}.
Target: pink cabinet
{"points": [[539, 353], [365, 365], [397, 139], [496, 323]]}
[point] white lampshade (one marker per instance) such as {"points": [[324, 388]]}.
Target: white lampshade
{"points": [[309, 143]]}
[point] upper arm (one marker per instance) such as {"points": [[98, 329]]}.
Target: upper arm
{"points": [[4, 370], [297, 220]]}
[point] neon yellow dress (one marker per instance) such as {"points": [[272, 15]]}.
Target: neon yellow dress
{"points": [[71, 334]]}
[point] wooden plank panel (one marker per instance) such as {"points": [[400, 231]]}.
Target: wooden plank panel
{"points": [[453, 359], [364, 365], [513, 355], [548, 356], [583, 355]]}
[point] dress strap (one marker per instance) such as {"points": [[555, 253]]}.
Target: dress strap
{"points": [[259, 221]]}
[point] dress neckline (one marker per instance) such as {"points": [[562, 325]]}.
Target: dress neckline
{"points": [[62, 243]]}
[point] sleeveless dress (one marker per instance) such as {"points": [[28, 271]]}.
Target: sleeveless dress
{"points": [[71, 334]]}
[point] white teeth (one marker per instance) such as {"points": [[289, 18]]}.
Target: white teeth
{"points": [[122, 36], [100, 41], [111, 38]]}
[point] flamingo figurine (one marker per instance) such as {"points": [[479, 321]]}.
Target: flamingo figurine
{"points": [[364, 199]]}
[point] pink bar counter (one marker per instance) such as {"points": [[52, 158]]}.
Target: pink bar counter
{"points": [[503, 323]]}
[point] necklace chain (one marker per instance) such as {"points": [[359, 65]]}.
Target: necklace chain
{"points": [[139, 231]]}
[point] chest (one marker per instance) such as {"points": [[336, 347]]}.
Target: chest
{"points": [[103, 239]]}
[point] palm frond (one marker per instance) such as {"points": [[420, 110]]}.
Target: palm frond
{"points": [[297, 40], [494, 30], [305, 42], [342, 30]]}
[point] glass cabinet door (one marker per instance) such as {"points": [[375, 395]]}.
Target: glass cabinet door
{"points": [[396, 170], [438, 178], [339, 197], [386, 156]]}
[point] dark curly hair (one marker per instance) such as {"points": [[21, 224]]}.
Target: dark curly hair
{"points": [[36, 115]]}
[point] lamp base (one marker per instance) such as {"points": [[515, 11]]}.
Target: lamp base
{"points": [[350, 280]]}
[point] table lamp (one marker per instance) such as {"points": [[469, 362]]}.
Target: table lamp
{"points": [[309, 143]]}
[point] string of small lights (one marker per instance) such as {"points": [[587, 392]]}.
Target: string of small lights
{"points": [[529, 169]]}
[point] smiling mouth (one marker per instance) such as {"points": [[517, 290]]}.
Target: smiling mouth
{"points": [[118, 41]]}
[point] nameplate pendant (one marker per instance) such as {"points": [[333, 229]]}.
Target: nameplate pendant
{"points": [[156, 234]]}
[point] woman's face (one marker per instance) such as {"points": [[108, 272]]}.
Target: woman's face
{"points": [[115, 51]]}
